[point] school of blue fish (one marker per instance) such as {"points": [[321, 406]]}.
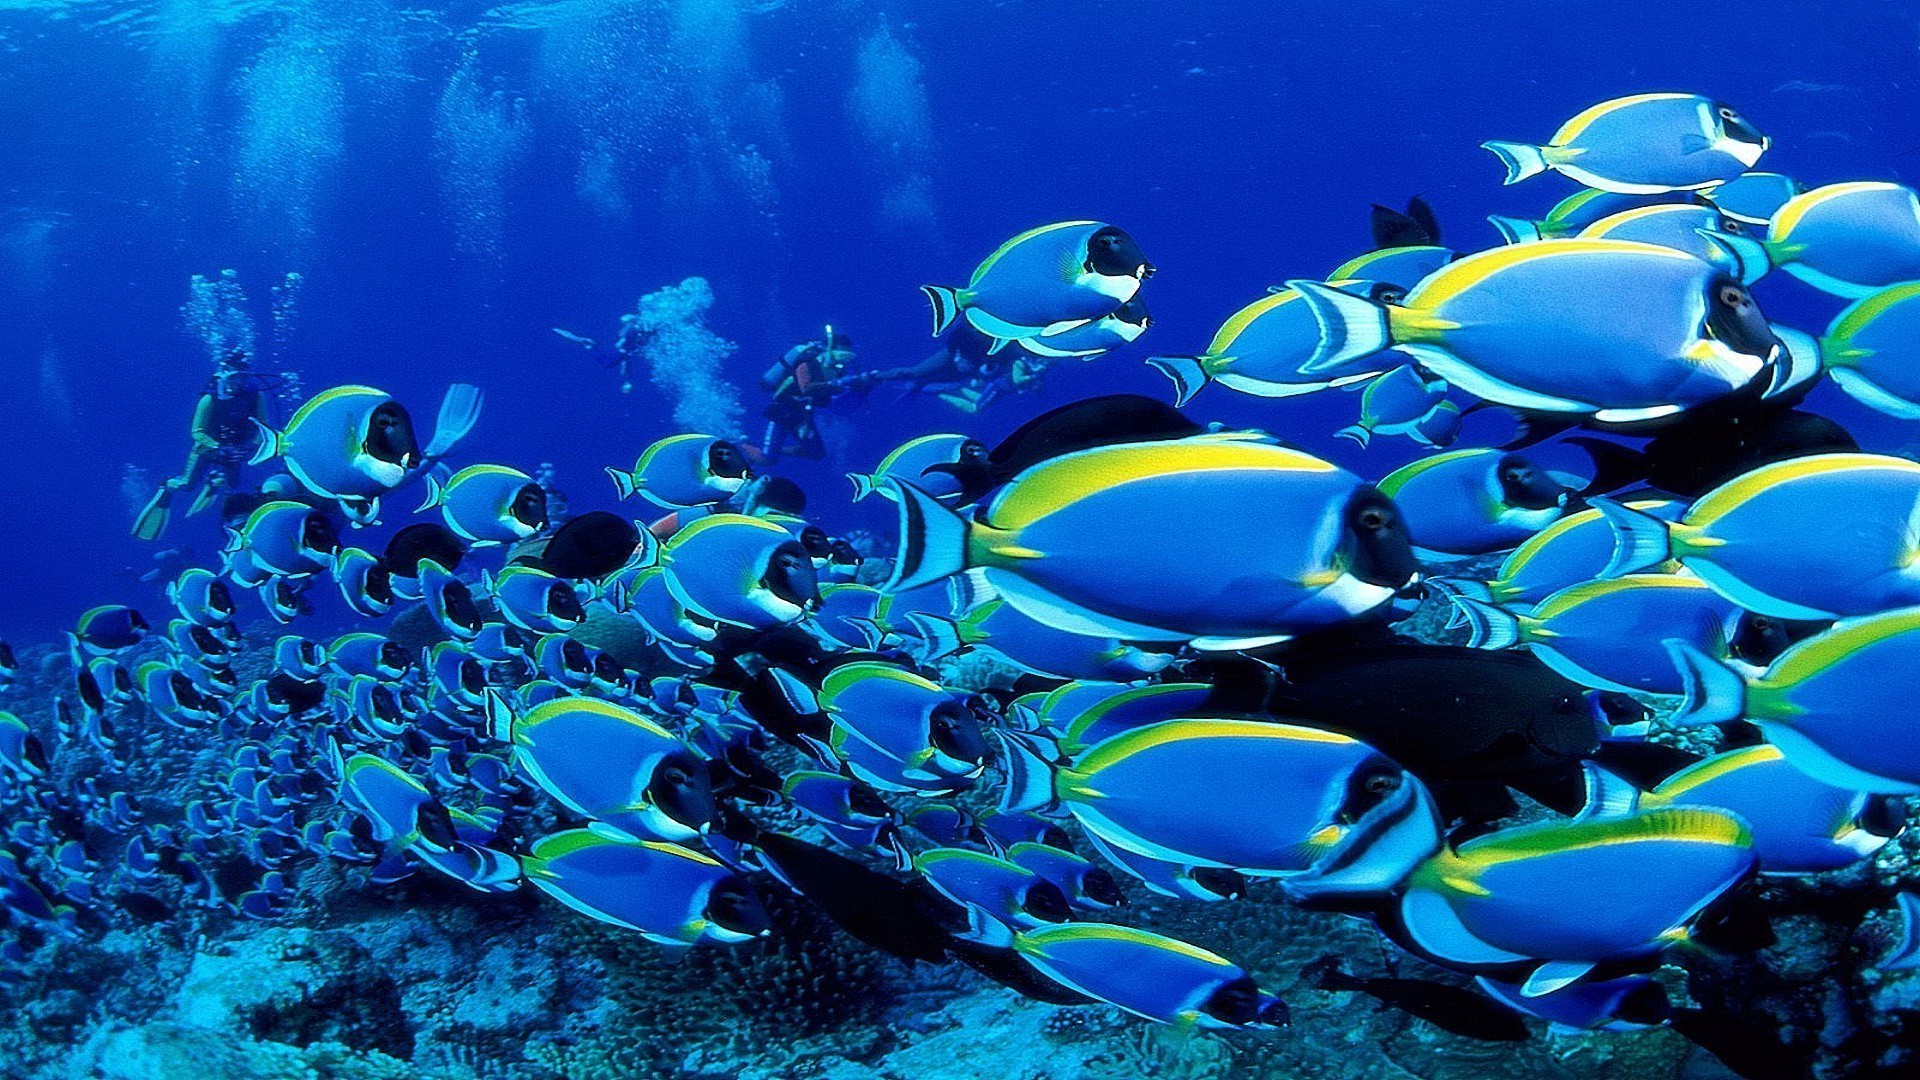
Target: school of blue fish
{"points": [[1207, 696]]}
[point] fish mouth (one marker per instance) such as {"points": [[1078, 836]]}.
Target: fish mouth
{"points": [[1145, 270]]}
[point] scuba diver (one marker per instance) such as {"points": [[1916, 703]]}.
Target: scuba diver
{"points": [[224, 437], [966, 371], [809, 376]]}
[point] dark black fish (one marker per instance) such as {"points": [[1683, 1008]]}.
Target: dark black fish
{"points": [[1700, 452], [1453, 1008], [1083, 425], [425, 540], [882, 911], [1445, 712], [590, 546], [1416, 227]]}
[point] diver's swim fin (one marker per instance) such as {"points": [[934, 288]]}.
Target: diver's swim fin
{"points": [[459, 411], [208, 493], [155, 515]]}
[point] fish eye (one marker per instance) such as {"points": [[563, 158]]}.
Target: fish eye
{"points": [[1760, 622], [1373, 518], [1392, 296], [1733, 296], [1381, 783], [1728, 114], [1728, 225]]}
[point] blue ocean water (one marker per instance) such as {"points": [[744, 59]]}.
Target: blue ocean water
{"points": [[452, 181], [412, 196]]}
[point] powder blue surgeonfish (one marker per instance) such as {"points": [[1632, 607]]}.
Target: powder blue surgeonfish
{"points": [[365, 583], [1266, 799], [1643, 144], [685, 470], [1224, 542], [1406, 402], [1679, 226], [1045, 281], [921, 462], [1579, 210], [201, 597], [1574, 549], [994, 626], [1095, 339], [669, 894], [405, 816], [1564, 897], [741, 570], [21, 753], [1000, 897], [898, 731], [1850, 240], [608, 763], [1824, 536], [286, 539], [1872, 350], [1160, 978], [1472, 502], [1607, 634], [532, 599], [489, 505], [1753, 198], [1828, 702], [850, 811], [108, 629], [1263, 349], [1087, 887], [1799, 825], [351, 444], [1613, 329]]}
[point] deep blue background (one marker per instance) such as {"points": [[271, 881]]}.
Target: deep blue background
{"points": [[1239, 141]]}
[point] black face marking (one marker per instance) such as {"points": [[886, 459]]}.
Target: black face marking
{"points": [[435, 826], [1113, 253], [1381, 548], [530, 507], [1045, 901], [953, 730], [680, 788], [563, 603], [1736, 321], [790, 575], [316, 534], [725, 459], [1524, 485], [390, 435], [733, 905]]}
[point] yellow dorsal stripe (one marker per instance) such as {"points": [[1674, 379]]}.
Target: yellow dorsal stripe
{"points": [[1713, 768], [1168, 732], [1001, 251], [328, 396], [1716, 503], [1638, 213], [1787, 218], [1571, 130], [1066, 480], [1036, 940], [1847, 637], [1457, 277], [1572, 597], [1862, 312], [548, 710], [1224, 338]]}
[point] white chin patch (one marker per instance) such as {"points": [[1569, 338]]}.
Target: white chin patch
{"points": [[775, 607], [719, 933], [384, 473], [728, 484], [1746, 153], [1355, 597]]}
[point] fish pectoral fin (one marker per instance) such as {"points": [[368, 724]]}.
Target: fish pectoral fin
{"points": [[1554, 975], [1695, 144], [1465, 884], [1014, 551]]}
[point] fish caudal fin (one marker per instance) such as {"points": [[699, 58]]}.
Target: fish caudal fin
{"points": [[1028, 761], [941, 636], [862, 485], [1350, 326], [1714, 693], [500, 718], [624, 484], [1872, 395], [1640, 541], [435, 495], [1377, 854], [1357, 432], [1749, 256], [945, 303], [1517, 230], [1608, 795], [1488, 626], [269, 446], [1521, 159], [933, 540], [1187, 373]]}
